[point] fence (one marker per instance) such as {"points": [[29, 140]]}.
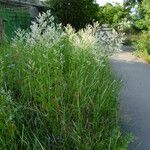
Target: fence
{"points": [[12, 19]]}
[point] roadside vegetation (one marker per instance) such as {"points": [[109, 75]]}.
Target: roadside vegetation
{"points": [[139, 35], [142, 44], [58, 91], [80, 13]]}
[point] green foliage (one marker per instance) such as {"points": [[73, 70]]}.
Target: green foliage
{"points": [[112, 15], [142, 21], [78, 13], [142, 46], [130, 3], [58, 95], [132, 37]]}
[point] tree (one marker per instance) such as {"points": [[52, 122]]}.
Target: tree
{"points": [[78, 13], [143, 22], [132, 2], [129, 4], [112, 15]]}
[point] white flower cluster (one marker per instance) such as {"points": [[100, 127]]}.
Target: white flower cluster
{"points": [[109, 39], [83, 39], [125, 24], [45, 32]]}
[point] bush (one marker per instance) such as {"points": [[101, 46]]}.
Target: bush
{"points": [[142, 46], [132, 37], [142, 18], [58, 92]]}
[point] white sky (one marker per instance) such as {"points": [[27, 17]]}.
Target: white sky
{"points": [[103, 2]]}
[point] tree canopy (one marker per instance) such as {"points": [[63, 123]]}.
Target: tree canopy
{"points": [[78, 13], [143, 21], [110, 14]]}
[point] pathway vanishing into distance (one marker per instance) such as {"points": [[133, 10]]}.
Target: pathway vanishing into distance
{"points": [[134, 96]]}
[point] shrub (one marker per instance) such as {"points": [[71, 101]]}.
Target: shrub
{"points": [[142, 18], [59, 91], [142, 46], [132, 37]]}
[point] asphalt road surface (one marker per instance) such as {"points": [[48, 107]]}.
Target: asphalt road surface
{"points": [[134, 97]]}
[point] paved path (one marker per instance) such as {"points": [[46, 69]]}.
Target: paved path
{"points": [[135, 97]]}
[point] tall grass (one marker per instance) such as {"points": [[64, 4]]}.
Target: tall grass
{"points": [[58, 92]]}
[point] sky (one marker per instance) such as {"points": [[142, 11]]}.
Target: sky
{"points": [[103, 2]]}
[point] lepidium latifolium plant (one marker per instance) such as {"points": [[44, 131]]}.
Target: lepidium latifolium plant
{"points": [[61, 88]]}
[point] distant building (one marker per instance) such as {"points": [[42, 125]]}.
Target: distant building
{"points": [[18, 14]]}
